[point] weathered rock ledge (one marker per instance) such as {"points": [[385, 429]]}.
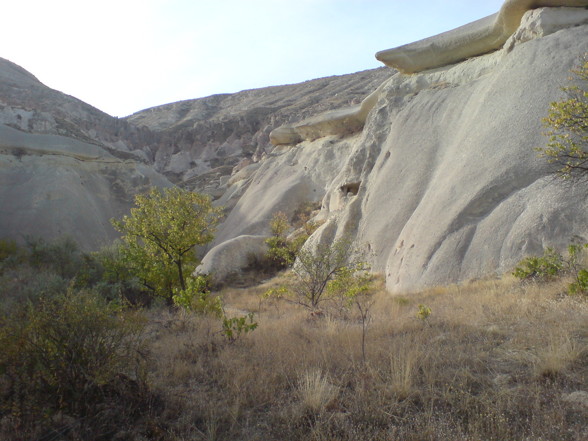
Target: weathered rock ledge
{"points": [[443, 183], [477, 38], [481, 37]]}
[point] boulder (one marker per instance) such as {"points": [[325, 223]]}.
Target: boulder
{"points": [[232, 256]]}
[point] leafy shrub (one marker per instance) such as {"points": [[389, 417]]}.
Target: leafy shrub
{"points": [[545, 267], [196, 297], [327, 272], [282, 247], [553, 264], [10, 253], [423, 313], [61, 256], [24, 284], [580, 286], [577, 254], [235, 327], [567, 129], [8, 247], [72, 354], [107, 273], [280, 250]]}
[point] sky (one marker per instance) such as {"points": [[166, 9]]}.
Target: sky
{"points": [[123, 56]]}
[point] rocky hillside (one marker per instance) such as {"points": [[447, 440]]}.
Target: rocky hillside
{"points": [[66, 168], [433, 173], [31, 107], [203, 140], [443, 183]]}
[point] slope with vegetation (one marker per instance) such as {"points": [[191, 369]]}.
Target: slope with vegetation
{"points": [[127, 343], [491, 359]]}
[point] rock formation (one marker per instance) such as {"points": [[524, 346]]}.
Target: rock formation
{"points": [[203, 142], [442, 184], [479, 37], [65, 167], [433, 175]]}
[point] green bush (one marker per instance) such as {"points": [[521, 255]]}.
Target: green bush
{"points": [[552, 264], [328, 272], [282, 248], [235, 327], [61, 256], [23, 284], [580, 286], [545, 267], [73, 354], [196, 297], [423, 312], [107, 273], [10, 253]]}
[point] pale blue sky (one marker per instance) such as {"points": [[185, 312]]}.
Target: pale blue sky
{"points": [[122, 56]]}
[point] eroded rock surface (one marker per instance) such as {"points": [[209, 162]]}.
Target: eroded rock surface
{"points": [[65, 167], [204, 140], [479, 37], [443, 183], [476, 38], [434, 174], [231, 256]]}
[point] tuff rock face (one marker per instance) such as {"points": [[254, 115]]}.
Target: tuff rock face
{"points": [[442, 184], [433, 174], [204, 142], [65, 167], [480, 37]]}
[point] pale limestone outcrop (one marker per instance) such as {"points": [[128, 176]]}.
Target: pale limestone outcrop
{"points": [[231, 256], [53, 186], [479, 37], [340, 122], [443, 183]]}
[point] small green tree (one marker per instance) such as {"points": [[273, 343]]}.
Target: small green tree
{"points": [[314, 270], [325, 272], [160, 235], [354, 285], [280, 252], [567, 125]]}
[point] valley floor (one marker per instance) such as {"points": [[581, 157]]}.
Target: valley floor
{"points": [[494, 360]]}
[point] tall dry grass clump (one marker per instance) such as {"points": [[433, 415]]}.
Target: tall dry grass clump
{"points": [[315, 391]]}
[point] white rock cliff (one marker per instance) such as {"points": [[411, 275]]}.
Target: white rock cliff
{"points": [[442, 184]]}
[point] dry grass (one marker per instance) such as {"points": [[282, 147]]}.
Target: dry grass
{"points": [[496, 360], [316, 391]]}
